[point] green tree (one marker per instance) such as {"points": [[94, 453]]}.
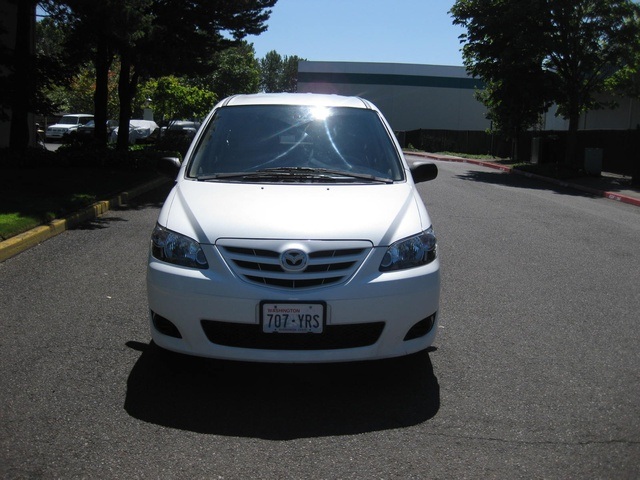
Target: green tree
{"points": [[50, 38], [150, 42], [590, 40], [96, 31], [569, 47], [270, 69], [77, 93], [237, 71], [512, 91], [278, 73], [290, 73], [73, 84], [173, 98], [187, 47], [56, 73], [626, 79]]}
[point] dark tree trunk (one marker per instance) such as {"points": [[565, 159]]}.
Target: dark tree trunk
{"points": [[21, 81], [635, 178], [571, 154], [124, 92], [101, 94]]}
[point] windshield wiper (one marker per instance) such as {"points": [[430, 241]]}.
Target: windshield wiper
{"points": [[216, 176], [327, 173], [258, 174], [293, 172]]}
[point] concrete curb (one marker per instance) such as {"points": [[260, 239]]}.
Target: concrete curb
{"points": [[618, 197], [18, 244]]}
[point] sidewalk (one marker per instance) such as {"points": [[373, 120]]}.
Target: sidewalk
{"points": [[608, 185]]}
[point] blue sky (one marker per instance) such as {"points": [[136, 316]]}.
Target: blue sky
{"points": [[396, 31]]}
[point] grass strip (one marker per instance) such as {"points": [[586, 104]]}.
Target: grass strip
{"points": [[34, 196]]}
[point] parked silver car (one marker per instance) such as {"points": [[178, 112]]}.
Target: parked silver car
{"points": [[140, 131]]}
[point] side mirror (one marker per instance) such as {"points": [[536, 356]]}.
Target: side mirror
{"points": [[423, 172], [169, 166]]}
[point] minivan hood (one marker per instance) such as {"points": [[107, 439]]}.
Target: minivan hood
{"points": [[380, 213]]}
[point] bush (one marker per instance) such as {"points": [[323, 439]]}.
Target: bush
{"points": [[173, 142], [31, 157], [86, 155]]}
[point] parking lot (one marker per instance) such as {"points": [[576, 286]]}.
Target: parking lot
{"points": [[535, 372]]}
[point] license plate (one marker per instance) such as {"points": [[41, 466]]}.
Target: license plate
{"points": [[285, 317]]}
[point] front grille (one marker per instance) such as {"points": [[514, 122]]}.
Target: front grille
{"points": [[332, 338], [329, 262]]}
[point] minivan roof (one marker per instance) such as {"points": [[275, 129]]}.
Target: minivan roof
{"points": [[310, 99]]}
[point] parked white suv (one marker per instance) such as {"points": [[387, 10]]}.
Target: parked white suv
{"points": [[66, 125], [294, 233]]}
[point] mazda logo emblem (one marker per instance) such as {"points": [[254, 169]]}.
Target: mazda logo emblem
{"points": [[294, 260]]}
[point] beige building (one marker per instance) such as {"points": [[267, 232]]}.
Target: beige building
{"points": [[436, 97]]}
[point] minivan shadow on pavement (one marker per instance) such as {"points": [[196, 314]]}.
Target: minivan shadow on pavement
{"points": [[280, 401], [500, 178], [98, 223]]}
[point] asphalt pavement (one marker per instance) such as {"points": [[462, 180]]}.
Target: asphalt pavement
{"points": [[534, 373], [609, 185]]}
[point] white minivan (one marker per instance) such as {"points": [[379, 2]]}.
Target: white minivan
{"points": [[294, 233]]}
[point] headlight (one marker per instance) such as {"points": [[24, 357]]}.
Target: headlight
{"points": [[410, 252], [174, 248]]}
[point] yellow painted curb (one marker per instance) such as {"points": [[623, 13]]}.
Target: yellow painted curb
{"points": [[18, 244]]}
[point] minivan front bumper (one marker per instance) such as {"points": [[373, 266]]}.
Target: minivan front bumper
{"points": [[214, 313]]}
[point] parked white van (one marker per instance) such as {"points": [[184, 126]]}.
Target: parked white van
{"points": [[66, 125]]}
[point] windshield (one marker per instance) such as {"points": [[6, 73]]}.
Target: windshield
{"points": [[296, 141], [68, 120]]}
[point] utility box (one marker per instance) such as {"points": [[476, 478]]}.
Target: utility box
{"points": [[593, 161], [535, 150], [546, 149]]}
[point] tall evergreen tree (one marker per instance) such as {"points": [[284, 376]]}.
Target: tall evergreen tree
{"points": [[157, 38], [271, 69], [278, 73]]}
